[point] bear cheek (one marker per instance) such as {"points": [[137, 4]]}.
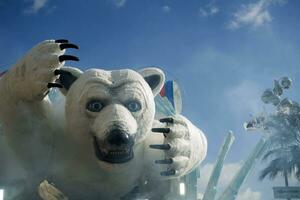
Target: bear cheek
{"points": [[145, 122], [77, 123]]}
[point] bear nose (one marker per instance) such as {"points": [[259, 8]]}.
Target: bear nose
{"points": [[119, 137]]}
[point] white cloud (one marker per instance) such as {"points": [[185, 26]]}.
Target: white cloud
{"points": [[249, 194], [118, 3], [214, 10], [166, 9], [245, 98], [228, 172], [36, 6], [254, 14], [209, 11]]}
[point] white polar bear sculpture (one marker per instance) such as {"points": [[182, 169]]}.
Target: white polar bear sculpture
{"points": [[106, 141]]}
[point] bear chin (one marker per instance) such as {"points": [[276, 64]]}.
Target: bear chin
{"points": [[113, 156]]}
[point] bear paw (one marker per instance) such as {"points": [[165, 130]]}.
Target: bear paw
{"points": [[176, 146], [34, 74]]}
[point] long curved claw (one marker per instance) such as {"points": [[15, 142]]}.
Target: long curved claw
{"points": [[61, 41], [61, 72], [67, 57], [161, 130], [160, 146], [51, 85], [166, 161], [168, 173], [167, 120], [68, 45]]}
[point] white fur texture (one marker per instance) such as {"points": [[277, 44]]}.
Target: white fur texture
{"points": [[35, 131]]}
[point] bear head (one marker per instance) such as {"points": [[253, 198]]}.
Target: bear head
{"points": [[110, 112]]}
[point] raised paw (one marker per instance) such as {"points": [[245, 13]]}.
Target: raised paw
{"points": [[176, 146], [34, 74]]}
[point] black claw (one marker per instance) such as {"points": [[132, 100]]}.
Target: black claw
{"points": [[67, 57], [167, 120], [166, 161], [61, 41], [51, 85], [61, 72], [161, 130], [68, 45], [168, 173], [160, 146]]}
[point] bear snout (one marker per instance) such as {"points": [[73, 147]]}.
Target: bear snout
{"points": [[115, 147], [119, 137]]}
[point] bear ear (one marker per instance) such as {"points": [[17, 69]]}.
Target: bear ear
{"points": [[154, 77], [67, 76]]}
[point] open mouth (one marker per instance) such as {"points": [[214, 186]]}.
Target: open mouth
{"points": [[119, 155]]}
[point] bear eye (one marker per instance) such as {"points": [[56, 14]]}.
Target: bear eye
{"points": [[133, 106], [94, 106]]}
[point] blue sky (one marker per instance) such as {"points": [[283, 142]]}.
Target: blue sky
{"points": [[223, 54]]}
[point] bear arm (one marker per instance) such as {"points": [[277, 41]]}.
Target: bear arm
{"points": [[16, 111]]}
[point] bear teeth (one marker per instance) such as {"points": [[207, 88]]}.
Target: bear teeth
{"points": [[118, 152]]}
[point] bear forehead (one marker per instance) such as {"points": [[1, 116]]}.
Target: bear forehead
{"points": [[110, 78], [112, 81]]}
